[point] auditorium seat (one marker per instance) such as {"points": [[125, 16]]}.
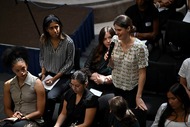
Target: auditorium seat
{"points": [[177, 38], [160, 76]]}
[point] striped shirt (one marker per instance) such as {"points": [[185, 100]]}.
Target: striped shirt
{"points": [[59, 60]]}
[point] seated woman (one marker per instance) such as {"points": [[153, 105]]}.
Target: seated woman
{"points": [[120, 114], [145, 18], [176, 112], [24, 94], [98, 71], [80, 105]]}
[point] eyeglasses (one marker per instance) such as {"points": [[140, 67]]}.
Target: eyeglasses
{"points": [[74, 86]]}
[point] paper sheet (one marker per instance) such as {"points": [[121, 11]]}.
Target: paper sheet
{"points": [[46, 86], [96, 92]]}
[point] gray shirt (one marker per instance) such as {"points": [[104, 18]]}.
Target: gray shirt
{"points": [[24, 98], [59, 60]]}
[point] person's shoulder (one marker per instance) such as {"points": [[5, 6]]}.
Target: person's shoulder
{"points": [[163, 106], [131, 9], [154, 10], [91, 98], [7, 84], [187, 60], [138, 42], [68, 94], [68, 38]]}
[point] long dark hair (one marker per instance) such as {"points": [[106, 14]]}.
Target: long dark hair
{"points": [[180, 93], [46, 22], [101, 48]]}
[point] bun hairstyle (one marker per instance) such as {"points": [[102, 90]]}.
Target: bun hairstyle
{"points": [[80, 76], [14, 54], [124, 22]]}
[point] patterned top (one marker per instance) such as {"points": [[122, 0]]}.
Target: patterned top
{"points": [[125, 74], [59, 60]]}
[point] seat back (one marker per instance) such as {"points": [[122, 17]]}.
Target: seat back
{"points": [[177, 35], [160, 76], [77, 58], [180, 3]]}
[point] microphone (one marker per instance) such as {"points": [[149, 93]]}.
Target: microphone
{"points": [[113, 41]]}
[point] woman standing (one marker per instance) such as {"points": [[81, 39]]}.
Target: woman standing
{"points": [[57, 52], [24, 94], [129, 60]]}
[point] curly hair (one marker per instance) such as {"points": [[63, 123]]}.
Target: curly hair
{"points": [[14, 54]]}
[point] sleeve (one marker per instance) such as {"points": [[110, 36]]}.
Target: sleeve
{"points": [[69, 63], [155, 12], [41, 55], [91, 101], [67, 95], [88, 63], [184, 67], [129, 12], [158, 115], [142, 55]]}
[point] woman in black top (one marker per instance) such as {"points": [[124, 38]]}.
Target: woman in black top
{"points": [[98, 71], [80, 105]]}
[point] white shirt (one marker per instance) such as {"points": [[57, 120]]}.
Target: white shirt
{"points": [[185, 71], [168, 123]]}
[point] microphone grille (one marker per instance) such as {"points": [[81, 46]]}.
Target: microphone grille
{"points": [[114, 39]]}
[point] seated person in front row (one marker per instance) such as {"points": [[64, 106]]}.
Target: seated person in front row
{"points": [[24, 94], [120, 115], [80, 105], [176, 112]]}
